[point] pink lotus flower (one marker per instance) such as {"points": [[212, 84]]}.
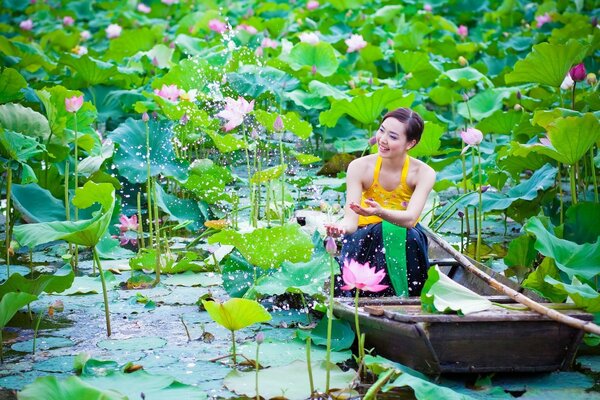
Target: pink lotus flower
{"points": [[127, 224], [268, 42], [248, 28], [545, 141], [73, 104], [235, 111], [26, 25], [127, 237], [462, 31], [85, 35], [355, 43], [427, 7], [312, 4], [145, 117], [170, 92], [79, 50], [113, 31], [190, 95], [278, 124], [217, 25], [540, 20], [472, 136], [567, 83], [68, 21], [578, 72], [362, 277], [143, 8], [309, 37]]}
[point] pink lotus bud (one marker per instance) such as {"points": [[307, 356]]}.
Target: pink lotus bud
{"points": [[259, 52], [390, 42], [427, 7], [461, 214], [472, 136], [113, 31], [260, 338], [485, 188], [143, 8], [372, 140], [312, 4], [145, 117], [462, 31], [184, 119], [73, 104], [68, 21], [540, 20], [519, 95], [278, 124], [330, 245], [26, 25], [314, 70], [155, 61], [578, 72], [567, 83]]}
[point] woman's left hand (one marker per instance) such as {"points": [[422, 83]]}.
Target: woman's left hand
{"points": [[373, 209]]}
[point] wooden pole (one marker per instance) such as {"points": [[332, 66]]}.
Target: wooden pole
{"points": [[587, 326]]}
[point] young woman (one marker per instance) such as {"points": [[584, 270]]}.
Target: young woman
{"points": [[385, 195]]}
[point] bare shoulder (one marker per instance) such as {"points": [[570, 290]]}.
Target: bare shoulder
{"points": [[362, 169], [421, 172]]}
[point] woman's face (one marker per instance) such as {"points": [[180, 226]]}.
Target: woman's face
{"points": [[391, 138]]}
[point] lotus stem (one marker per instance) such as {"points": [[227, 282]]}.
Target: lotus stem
{"points": [[308, 367], [141, 241], [282, 160], [329, 323], [104, 292], [157, 231], [464, 182], [376, 387], [257, 369], [233, 348], [149, 188], [561, 194], [75, 262], [594, 179], [35, 331], [573, 184], [8, 220], [480, 208], [250, 185], [357, 328]]}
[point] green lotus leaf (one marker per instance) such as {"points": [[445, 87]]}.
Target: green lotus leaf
{"points": [[572, 137], [268, 247], [320, 56], [342, 335], [11, 83], [500, 122], [84, 232], [367, 108], [93, 163], [268, 174], [181, 210], [545, 118], [31, 55], [536, 281], [130, 42], [547, 63], [131, 137], [444, 96], [423, 388], [325, 90], [430, 141], [11, 303], [226, 143], [238, 275], [208, 180], [16, 118], [417, 63], [308, 101], [521, 255], [253, 81], [574, 259], [90, 70], [581, 223], [305, 159], [53, 100], [18, 147], [467, 77], [189, 73], [484, 104], [112, 102], [291, 379], [61, 280], [442, 294], [235, 314], [583, 295], [386, 14], [275, 353], [60, 40], [292, 122]]}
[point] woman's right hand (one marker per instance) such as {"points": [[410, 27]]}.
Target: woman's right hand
{"points": [[335, 230]]}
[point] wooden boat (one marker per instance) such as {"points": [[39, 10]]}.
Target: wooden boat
{"points": [[495, 340]]}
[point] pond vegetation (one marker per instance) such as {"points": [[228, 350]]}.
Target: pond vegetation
{"points": [[168, 165]]}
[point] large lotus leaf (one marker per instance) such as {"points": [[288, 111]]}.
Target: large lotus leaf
{"points": [[112, 102], [90, 70], [483, 104], [572, 137], [226, 143], [308, 101], [11, 303], [521, 255], [444, 96], [366, 108], [547, 63], [130, 42], [16, 118], [275, 353], [417, 63], [11, 83], [208, 180], [442, 294], [581, 224], [72, 388], [268, 174], [18, 147], [429, 144], [268, 247], [582, 294], [424, 389], [109, 248], [238, 276], [546, 118], [181, 210], [292, 122], [253, 80], [500, 122], [467, 77], [160, 54], [235, 314], [32, 57], [320, 56], [342, 335], [85, 232], [303, 277], [291, 379], [536, 281], [53, 99], [60, 281], [542, 179], [130, 158], [190, 73], [93, 163], [574, 259], [325, 90]]}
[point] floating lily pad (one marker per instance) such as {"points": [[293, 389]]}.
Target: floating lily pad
{"points": [[193, 279], [62, 364], [42, 343], [132, 344]]}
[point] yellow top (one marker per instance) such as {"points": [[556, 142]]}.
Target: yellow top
{"points": [[396, 199]]}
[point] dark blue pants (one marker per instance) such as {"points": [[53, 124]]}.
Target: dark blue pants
{"points": [[366, 245]]}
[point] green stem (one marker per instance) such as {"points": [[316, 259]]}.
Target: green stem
{"points": [[257, 369], [35, 331], [561, 194], [309, 367], [303, 299], [8, 219], [573, 184], [250, 185], [282, 160], [157, 231], [594, 180], [149, 188], [480, 208], [464, 182], [104, 292], [329, 323], [357, 328], [376, 387], [233, 348], [141, 241]]}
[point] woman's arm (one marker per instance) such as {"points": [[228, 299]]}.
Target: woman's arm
{"points": [[353, 195], [409, 217]]}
